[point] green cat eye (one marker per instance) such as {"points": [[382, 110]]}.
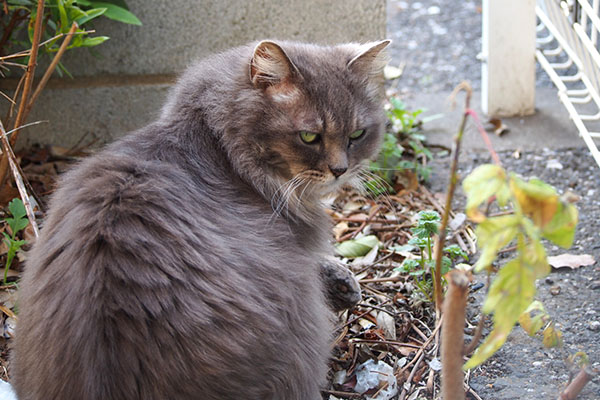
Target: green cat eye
{"points": [[356, 134], [308, 137]]}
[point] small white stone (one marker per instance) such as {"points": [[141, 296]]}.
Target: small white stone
{"points": [[537, 364], [554, 164], [433, 10]]}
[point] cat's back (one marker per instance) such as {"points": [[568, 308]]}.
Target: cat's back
{"points": [[147, 284]]}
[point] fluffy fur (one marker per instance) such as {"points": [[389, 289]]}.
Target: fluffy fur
{"points": [[183, 261]]}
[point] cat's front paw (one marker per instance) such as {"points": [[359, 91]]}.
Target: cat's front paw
{"points": [[341, 287]]}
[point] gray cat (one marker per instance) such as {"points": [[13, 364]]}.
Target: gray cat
{"points": [[186, 261]]}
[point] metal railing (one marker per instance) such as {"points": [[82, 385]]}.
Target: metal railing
{"points": [[567, 49]]}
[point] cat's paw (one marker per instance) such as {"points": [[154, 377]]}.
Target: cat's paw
{"points": [[341, 287]]}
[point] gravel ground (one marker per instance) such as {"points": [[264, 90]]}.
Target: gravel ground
{"points": [[523, 368], [436, 43]]}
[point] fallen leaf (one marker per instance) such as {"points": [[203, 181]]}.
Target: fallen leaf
{"points": [[390, 72], [572, 261], [340, 229], [387, 324], [499, 127]]}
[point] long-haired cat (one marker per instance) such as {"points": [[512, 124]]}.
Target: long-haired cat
{"points": [[186, 261]]}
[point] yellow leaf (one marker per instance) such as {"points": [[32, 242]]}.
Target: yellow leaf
{"points": [[538, 200], [552, 336]]}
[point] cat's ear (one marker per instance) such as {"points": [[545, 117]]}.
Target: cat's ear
{"points": [[371, 58], [270, 65]]}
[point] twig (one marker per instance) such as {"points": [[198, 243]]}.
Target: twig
{"points": [[378, 280], [455, 306], [484, 135], [449, 194], [576, 385], [7, 150], [477, 336], [50, 69], [29, 74], [347, 395], [423, 347], [405, 387]]}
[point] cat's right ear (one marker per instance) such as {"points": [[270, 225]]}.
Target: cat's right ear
{"points": [[270, 65]]}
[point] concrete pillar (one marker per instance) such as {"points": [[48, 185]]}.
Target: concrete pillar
{"points": [[508, 49]]}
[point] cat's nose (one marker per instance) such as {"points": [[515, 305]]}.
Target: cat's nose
{"points": [[338, 171]]}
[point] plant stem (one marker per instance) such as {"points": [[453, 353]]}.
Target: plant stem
{"points": [[29, 74], [10, 156], [437, 287], [452, 335]]}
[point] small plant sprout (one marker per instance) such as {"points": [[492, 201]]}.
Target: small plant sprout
{"points": [[427, 226], [17, 222], [402, 148]]}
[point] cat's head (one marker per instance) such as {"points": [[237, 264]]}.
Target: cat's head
{"points": [[320, 117]]}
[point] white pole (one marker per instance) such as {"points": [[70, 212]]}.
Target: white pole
{"points": [[508, 68]]}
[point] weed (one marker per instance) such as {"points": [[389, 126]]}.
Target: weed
{"points": [[402, 147], [16, 223], [423, 269]]}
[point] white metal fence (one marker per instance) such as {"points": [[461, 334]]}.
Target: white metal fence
{"points": [[567, 42]]}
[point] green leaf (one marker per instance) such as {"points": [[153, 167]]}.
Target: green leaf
{"points": [[94, 41], [493, 342], [117, 13], [90, 15], [454, 251], [357, 247], [64, 20], [510, 294], [20, 2], [484, 182], [561, 229], [408, 265], [427, 224], [17, 208], [492, 235]]}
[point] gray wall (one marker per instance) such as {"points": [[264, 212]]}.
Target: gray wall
{"points": [[123, 86]]}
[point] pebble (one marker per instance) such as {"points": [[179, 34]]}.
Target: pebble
{"points": [[537, 364], [594, 326]]}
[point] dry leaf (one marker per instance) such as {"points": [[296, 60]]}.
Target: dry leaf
{"points": [[340, 229], [387, 324], [499, 127], [572, 261]]}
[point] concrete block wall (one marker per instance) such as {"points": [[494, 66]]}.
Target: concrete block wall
{"points": [[123, 86]]}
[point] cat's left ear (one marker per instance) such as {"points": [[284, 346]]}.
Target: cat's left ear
{"points": [[371, 59], [270, 65]]}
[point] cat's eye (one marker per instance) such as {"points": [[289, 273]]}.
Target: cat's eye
{"points": [[309, 137], [356, 134]]}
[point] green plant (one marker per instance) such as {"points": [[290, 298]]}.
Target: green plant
{"points": [[17, 222], [535, 212], [19, 16], [402, 148], [423, 269]]}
